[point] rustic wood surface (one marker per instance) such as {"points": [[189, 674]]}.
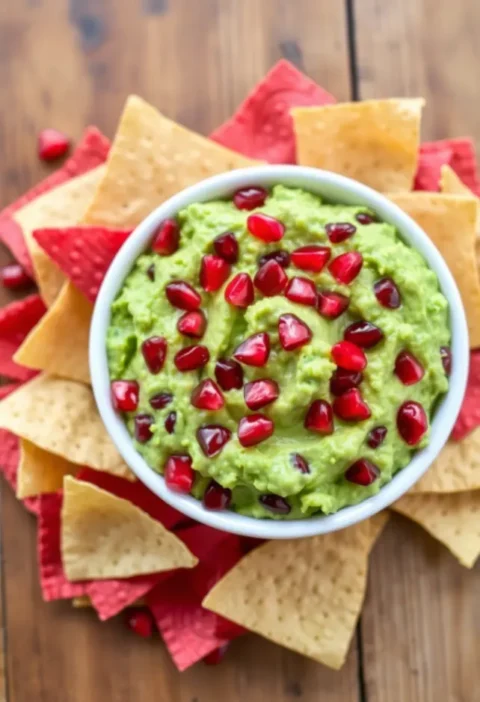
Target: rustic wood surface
{"points": [[67, 64]]}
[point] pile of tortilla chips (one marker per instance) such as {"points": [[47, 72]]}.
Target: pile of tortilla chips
{"points": [[103, 539]]}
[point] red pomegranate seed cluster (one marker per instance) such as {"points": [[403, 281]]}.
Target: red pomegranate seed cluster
{"points": [[350, 354]]}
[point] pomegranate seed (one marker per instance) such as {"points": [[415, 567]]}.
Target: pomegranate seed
{"points": [[254, 351], [408, 369], [319, 417], [14, 277], [214, 271], [351, 406], [265, 228], [446, 356], [161, 400], [293, 333], [226, 246], [387, 293], [192, 324], [216, 496], [362, 472], [191, 358], [229, 374], [301, 290], [349, 356], [151, 272], [331, 304], [143, 427], [167, 238], [363, 334], [346, 267], [281, 257], [52, 144], [343, 380], [216, 656], [299, 463], [154, 351], [311, 258], [140, 622], [182, 295], [207, 396], [249, 198], [260, 393], [212, 438], [170, 422], [239, 292], [412, 422], [254, 429], [365, 218], [376, 437], [270, 279], [125, 394], [275, 504], [339, 231], [179, 474]]}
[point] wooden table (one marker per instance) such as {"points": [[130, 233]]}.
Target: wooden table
{"points": [[68, 64]]}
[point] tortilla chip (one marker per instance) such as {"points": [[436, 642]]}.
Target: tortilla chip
{"points": [[85, 601], [449, 221], [104, 536], [59, 343], [40, 471], [61, 417], [375, 142], [151, 159], [454, 520], [451, 184], [60, 207], [303, 594]]}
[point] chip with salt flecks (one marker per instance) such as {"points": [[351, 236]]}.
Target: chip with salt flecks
{"points": [[83, 253], [16, 320], [454, 520], [463, 160], [61, 417], [450, 221], [151, 159], [469, 415], [59, 343], [375, 142], [303, 594], [104, 536], [262, 125], [40, 471], [430, 163]]}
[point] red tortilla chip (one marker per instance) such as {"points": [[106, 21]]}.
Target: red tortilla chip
{"points": [[469, 416], [16, 320], [109, 597], [9, 460], [430, 162], [262, 126], [463, 160], [84, 254]]}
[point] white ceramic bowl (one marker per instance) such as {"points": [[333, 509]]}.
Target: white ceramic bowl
{"points": [[337, 189]]}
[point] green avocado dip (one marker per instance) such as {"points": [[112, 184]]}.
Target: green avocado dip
{"points": [[278, 355]]}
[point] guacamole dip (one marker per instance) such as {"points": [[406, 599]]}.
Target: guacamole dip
{"points": [[277, 354]]}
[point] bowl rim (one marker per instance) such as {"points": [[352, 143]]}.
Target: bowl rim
{"points": [[350, 192]]}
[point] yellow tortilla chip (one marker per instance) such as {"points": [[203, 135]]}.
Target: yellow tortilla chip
{"points": [[104, 536], [375, 141], [304, 594], [59, 343], [61, 207], [61, 417], [151, 159], [450, 221], [454, 520], [40, 471], [457, 469], [451, 183]]}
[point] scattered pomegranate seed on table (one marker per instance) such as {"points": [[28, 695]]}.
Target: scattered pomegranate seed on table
{"points": [[387, 293], [140, 622], [408, 369], [14, 277], [281, 257], [260, 393], [265, 228], [376, 436], [212, 438], [351, 407], [275, 504], [346, 267], [363, 334], [299, 463], [125, 395], [340, 231], [52, 144], [446, 356], [412, 422], [192, 324], [170, 422], [249, 198], [239, 292], [270, 279], [362, 472], [343, 380], [319, 417], [293, 333], [311, 258], [254, 429], [349, 356], [191, 358], [254, 351], [154, 352], [179, 474], [182, 295], [229, 374], [331, 304], [167, 238], [160, 400], [143, 427], [207, 396], [217, 497], [302, 291], [226, 246]]}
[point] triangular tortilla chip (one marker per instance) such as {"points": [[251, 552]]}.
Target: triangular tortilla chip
{"points": [[40, 471], [450, 221], [61, 417], [104, 536], [375, 142], [454, 520], [304, 594], [59, 343], [451, 184], [60, 207], [151, 159]]}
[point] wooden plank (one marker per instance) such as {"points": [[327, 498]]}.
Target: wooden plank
{"points": [[420, 624], [66, 65]]}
